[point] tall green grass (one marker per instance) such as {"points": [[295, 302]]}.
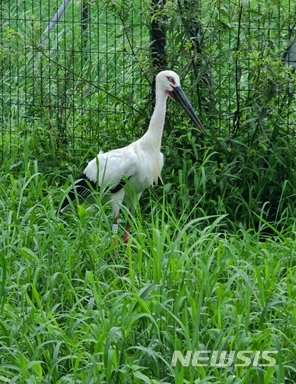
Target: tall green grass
{"points": [[71, 313], [211, 259]]}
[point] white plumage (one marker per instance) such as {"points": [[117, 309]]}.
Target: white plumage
{"points": [[126, 172]]}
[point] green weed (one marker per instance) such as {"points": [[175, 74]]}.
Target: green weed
{"points": [[70, 312]]}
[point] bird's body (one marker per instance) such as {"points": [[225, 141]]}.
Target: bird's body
{"points": [[124, 169], [125, 173]]}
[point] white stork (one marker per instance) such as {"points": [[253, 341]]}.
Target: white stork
{"points": [[126, 172]]}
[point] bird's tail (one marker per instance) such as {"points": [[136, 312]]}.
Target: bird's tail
{"points": [[81, 190]]}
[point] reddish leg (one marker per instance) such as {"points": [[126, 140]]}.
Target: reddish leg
{"points": [[127, 229], [126, 239], [126, 233]]}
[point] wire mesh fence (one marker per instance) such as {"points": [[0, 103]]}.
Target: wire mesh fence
{"points": [[78, 74], [71, 80]]}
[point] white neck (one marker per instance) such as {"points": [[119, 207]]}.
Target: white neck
{"points": [[152, 137]]}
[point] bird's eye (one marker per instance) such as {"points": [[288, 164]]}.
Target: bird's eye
{"points": [[171, 80]]}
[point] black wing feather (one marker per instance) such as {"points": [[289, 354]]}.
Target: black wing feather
{"points": [[83, 188]]}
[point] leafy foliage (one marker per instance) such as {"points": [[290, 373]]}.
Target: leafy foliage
{"points": [[70, 313], [211, 261]]}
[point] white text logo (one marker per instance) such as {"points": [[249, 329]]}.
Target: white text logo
{"points": [[224, 358]]}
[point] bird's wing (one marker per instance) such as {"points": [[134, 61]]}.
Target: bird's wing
{"points": [[113, 168]]}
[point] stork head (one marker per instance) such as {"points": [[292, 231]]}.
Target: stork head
{"points": [[169, 82]]}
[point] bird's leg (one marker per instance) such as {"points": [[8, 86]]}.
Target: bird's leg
{"points": [[127, 229], [115, 230], [126, 233], [115, 226]]}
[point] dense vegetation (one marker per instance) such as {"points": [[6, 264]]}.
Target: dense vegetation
{"points": [[211, 260]]}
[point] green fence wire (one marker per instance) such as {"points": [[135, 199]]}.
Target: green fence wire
{"points": [[81, 79], [72, 80]]}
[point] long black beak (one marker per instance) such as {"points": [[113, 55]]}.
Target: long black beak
{"points": [[178, 94]]}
